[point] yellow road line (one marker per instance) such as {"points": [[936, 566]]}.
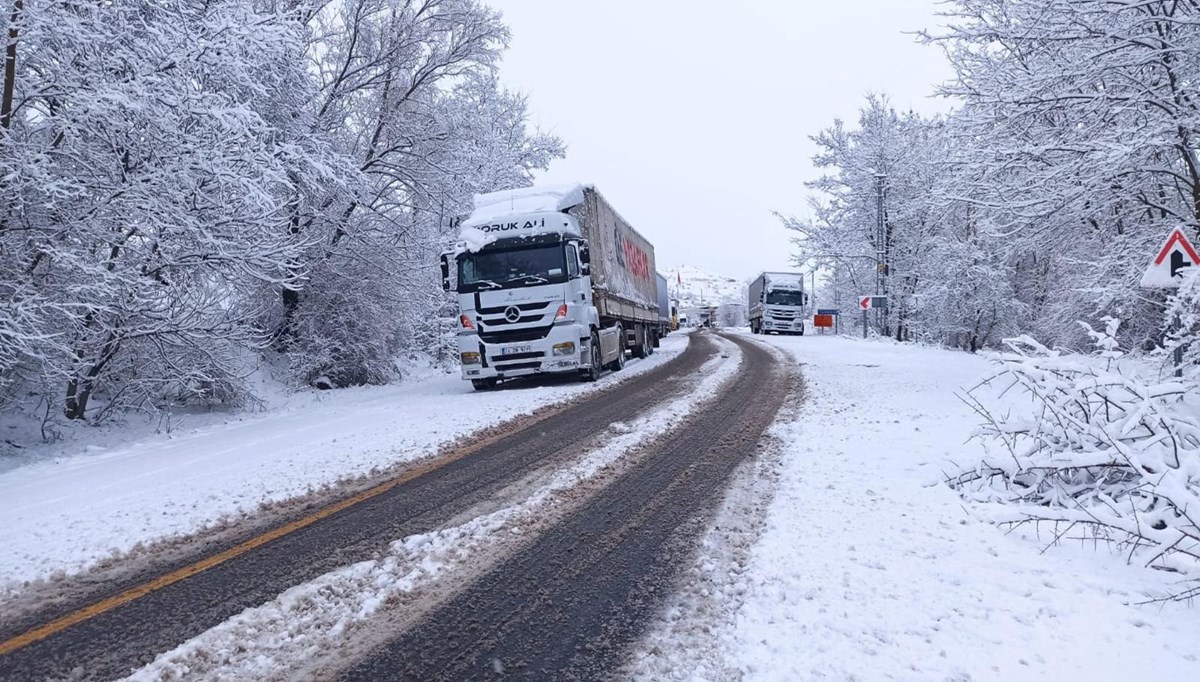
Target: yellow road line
{"points": [[62, 623]]}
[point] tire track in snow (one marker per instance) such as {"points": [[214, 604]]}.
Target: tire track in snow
{"points": [[568, 605]]}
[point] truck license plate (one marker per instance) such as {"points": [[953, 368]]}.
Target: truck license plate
{"points": [[513, 350]]}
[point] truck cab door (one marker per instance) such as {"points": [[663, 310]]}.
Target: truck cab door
{"points": [[579, 273]]}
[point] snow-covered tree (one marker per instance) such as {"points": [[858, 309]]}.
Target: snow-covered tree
{"points": [[143, 187], [187, 185], [1079, 123], [406, 90]]}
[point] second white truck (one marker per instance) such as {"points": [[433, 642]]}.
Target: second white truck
{"points": [[550, 280], [778, 303]]}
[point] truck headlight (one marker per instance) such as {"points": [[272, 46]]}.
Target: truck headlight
{"points": [[567, 348], [469, 358]]}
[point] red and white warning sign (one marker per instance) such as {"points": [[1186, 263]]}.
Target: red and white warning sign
{"points": [[1167, 268]]}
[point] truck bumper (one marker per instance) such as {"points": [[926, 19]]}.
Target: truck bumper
{"points": [[560, 351], [776, 326]]}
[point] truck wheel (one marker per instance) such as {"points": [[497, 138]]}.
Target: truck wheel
{"points": [[640, 350], [592, 373], [484, 384], [619, 364]]}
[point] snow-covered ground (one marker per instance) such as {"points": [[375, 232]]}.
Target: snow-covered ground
{"points": [[863, 566], [63, 514]]}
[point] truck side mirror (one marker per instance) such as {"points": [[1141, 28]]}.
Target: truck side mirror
{"points": [[445, 272], [585, 259]]}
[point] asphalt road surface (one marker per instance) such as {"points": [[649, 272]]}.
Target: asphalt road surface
{"points": [[564, 607]]}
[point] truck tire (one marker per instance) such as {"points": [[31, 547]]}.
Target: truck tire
{"points": [[484, 384], [641, 350], [619, 364], [592, 373]]}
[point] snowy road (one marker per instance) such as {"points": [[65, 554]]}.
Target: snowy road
{"points": [[625, 475], [680, 524], [568, 605]]}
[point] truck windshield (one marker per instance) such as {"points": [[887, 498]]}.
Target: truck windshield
{"points": [[509, 268], [785, 297]]}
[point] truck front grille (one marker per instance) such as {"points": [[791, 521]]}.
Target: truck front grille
{"points": [[516, 356], [515, 335], [500, 321], [518, 365], [523, 307]]}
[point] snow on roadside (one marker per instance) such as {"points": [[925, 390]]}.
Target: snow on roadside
{"points": [[63, 515], [867, 567], [311, 619]]}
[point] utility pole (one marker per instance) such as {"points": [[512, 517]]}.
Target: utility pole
{"points": [[881, 266]]}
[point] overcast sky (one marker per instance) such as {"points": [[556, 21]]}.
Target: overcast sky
{"points": [[693, 117]]}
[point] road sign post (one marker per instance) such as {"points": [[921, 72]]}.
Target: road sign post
{"points": [[1166, 271], [866, 303], [832, 319]]}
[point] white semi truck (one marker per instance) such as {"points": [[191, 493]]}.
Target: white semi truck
{"points": [[778, 303], [550, 280]]}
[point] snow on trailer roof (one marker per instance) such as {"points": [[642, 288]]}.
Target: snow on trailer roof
{"points": [[523, 201], [784, 280]]}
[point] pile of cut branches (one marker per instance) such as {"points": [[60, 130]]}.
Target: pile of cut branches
{"points": [[1105, 454]]}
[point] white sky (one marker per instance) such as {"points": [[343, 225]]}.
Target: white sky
{"points": [[693, 117]]}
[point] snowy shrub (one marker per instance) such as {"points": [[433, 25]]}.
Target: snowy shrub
{"points": [[1182, 324], [344, 331], [1107, 453]]}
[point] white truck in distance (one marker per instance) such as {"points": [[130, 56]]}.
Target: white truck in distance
{"points": [[778, 303], [550, 280]]}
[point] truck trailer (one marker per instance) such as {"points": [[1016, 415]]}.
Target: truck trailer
{"points": [[778, 303], [550, 280]]}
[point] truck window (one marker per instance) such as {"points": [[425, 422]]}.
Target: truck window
{"points": [[508, 268], [785, 297], [572, 261]]}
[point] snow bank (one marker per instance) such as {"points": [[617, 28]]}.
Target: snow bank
{"points": [[869, 568], [66, 513]]}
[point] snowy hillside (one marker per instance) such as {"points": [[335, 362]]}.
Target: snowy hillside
{"points": [[692, 285]]}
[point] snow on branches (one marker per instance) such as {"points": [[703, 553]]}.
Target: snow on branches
{"points": [[1073, 148], [1101, 450], [188, 186]]}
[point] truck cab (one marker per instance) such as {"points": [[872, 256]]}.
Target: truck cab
{"points": [[778, 303], [784, 310], [524, 290]]}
